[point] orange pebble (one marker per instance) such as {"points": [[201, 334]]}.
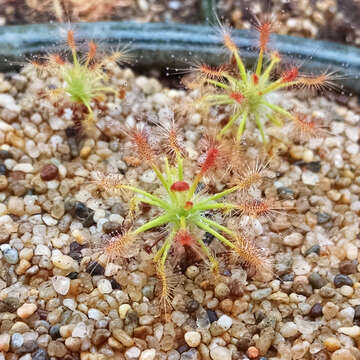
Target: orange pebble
{"points": [[252, 352]]}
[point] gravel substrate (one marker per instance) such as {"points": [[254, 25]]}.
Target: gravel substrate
{"points": [[58, 300], [335, 20], [22, 12]]}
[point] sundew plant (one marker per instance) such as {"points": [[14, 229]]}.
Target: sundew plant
{"points": [[245, 91], [84, 77], [183, 211]]}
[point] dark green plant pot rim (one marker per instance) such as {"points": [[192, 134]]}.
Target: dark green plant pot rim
{"points": [[170, 46]]}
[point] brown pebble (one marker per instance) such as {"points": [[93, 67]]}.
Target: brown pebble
{"points": [[4, 342], [57, 349], [110, 227], [16, 206], [342, 354], [5, 155], [123, 337], [226, 305], [49, 172], [26, 310], [69, 357], [167, 343], [244, 342], [142, 331], [19, 327], [236, 288], [85, 151], [302, 288], [16, 176], [38, 185], [75, 287], [73, 344], [316, 311], [332, 344], [321, 355], [221, 291], [14, 140], [18, 189], [100, 336], [115, 344], [22, 267], [3, 182], [348, 267]]}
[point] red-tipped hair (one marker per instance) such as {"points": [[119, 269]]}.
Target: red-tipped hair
{"points": [[228, 41], [174, 141], [305, 127], [211, 72], [111, 183], [199, 72], [290, 75], [120, 245], [275, 56], [171, 138], [38, 63], [184, 238], [258, 208], [71, 40], [210, 159], [251, 174], [92, 50], [56, 59], [140, 137], [250, 254], [265, 29], [188, 205], [324, 81], [237, 96], [168, 283], [228, 154]]}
